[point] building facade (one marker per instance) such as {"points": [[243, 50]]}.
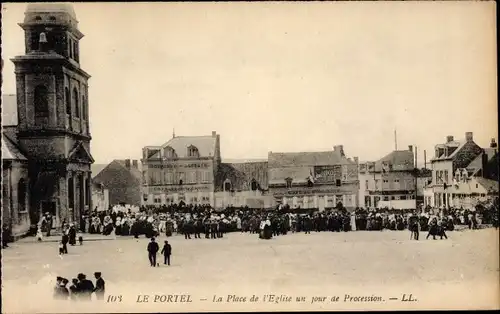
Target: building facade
{"points": [[52, 127], [189, 170], [15, 188], [313, 180], [122, 179], [390, 180], [242, 184], [463, 173], [181, 170], [100, 197]]}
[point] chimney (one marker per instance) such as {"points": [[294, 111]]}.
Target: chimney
{"points": [[356, 160], [127, 163], [214, 134], [449, 138], [493, 143], [410, 148], [339, 149], [135, 164], [469, 137]]}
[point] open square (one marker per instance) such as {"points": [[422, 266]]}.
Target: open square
{"points": [[242, 263]]}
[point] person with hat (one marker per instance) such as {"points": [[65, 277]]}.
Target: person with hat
{"points": [[61, 292], [74, 289], [85, 287], [58, 282], [166, 251], [72, 234], [153, 248], [64, 241], [99, 286]]}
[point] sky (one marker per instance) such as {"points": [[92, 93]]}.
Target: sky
{"points": [[282, 77]]}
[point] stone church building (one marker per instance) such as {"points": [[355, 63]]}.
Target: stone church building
{"points": [[46, 137]]}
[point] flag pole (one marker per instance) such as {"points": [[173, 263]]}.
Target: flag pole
{"points": [[395, 139]]}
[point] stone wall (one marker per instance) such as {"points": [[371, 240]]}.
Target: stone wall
{"points": [[15, 211]]}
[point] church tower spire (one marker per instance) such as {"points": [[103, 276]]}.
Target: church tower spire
{"points": [[52, 106]]}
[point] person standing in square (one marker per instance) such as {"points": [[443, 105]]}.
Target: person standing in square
{"points": [[99, 286], [166, 251], [153, 249]]}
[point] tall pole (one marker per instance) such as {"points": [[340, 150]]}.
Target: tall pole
{"points": [[416, 175], [425, 159], [395, 139]]}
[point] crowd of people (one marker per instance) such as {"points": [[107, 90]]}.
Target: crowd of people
{"points": [[193, 221], [81, 288]]}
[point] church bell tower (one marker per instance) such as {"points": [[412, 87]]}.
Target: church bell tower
{"points": [[53, 113]]}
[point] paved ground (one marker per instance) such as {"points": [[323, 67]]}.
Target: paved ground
{"points": [[460, 272]]}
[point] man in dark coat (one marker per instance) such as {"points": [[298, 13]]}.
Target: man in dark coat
{"points": [[85, 288], [213, 229], [65, 240], [74, 289], [5, 236], [99, 286], [187, 228], [166, 251], [206, 224], [153, 248], [198, 227], [72, 235]]}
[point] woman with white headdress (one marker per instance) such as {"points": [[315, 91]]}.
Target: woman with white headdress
{"points": [[118, 226]]}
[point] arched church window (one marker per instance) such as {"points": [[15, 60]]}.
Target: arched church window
{"points": [[21, 195], [41, 101], [75, 48], [70, 48], [254, 185], [227, 186], [84, 108], [76, 102], [67, 99], [71, 195]]}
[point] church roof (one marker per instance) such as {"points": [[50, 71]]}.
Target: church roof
{"points": [[52, 7], [204, 144], [10, 151], [9, 110]]}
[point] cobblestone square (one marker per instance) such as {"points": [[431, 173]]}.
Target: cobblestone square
{"points": [[241, 263]]}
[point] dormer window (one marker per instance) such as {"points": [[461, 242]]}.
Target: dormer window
{"points": [[38, 18], [169, 152], [193, 152], [52, 18]]}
